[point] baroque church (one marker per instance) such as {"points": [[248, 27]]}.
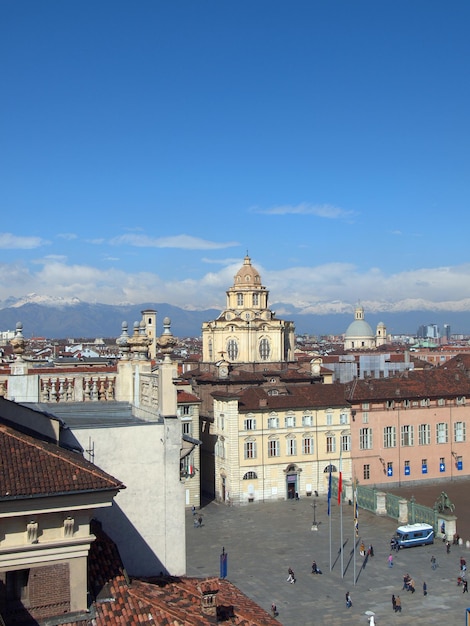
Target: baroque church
{"points": [[360, 336], [247, 331]]}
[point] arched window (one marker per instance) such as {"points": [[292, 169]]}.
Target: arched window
{"points": [[264, 349], [250, 476], [232, 349]]}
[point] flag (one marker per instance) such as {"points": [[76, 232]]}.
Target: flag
{"points": [[340, 479], [356, 513], [329, 490]]}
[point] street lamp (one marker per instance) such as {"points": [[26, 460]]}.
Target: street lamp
{"points": [[314, 523]]}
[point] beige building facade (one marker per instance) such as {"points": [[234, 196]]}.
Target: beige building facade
{"points": [[280, 447]]}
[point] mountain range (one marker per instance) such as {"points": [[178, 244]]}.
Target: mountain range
{"points": [[43, 316]]}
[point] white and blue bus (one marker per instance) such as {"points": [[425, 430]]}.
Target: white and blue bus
{"points": [[414, 535]]}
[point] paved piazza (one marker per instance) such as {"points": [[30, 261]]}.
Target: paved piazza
{"points": [[264, 540]]}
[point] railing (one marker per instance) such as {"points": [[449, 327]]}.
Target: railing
{"points": [[98, 388]]}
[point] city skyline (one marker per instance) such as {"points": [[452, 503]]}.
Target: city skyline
{"points": [[147, 148]]}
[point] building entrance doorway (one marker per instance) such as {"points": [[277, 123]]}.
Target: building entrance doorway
{"points": [[291, 486]]}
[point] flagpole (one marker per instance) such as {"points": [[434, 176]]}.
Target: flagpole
{"points": [[354, 530], [329, 509], [340, 502]]}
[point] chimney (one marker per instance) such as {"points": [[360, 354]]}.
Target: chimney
{"points": [[209, 590]]}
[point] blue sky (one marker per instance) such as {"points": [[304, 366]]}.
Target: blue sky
{"points": [[147, 146]]}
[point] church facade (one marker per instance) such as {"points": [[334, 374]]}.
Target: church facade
{"points": [[247, 331]]}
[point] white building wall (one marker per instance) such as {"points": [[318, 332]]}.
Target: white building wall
{"points": [[136, 522]]}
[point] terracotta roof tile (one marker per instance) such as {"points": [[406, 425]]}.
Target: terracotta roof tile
{"points": [[31, 467]]}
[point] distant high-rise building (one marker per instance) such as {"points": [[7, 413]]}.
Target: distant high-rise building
{"points": [[447, 333]]}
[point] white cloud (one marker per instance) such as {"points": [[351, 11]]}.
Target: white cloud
{"points": [[327, 211], [322, 288], [8, 241], [67, 236], [184, 242]]}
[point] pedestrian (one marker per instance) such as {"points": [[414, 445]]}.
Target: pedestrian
{"points": [[193, 509], [362, 549], [390, 560], [348, 600], [394, 602], [463, 564], [425, 589], [433, 562], [411, 586], [274, 610], [448, 547], [465, 586], [291, 576], [370, 551], [199, 519], [397, 605]]}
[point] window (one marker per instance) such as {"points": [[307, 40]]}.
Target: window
{"points": [[185, 410], [330, 443], [187, 428], [232, 349], [459, 431], [343, 417], [441, 433], [255, 299], [329, 417], [220, 448], [17, 585], [291, 446], [289, 421], [273, 447], [365, 418], [460, 400], [250, 449], [406, 404], [273, 421], [307, 445], [407, 467], [250, 476], [366, 472], [407, 435], [273, 392], [424, 434], [250, 423], [264, 349], [425, 402], [390, 468], [239, 299], [390, 404], [307, 420], [346, 443], [441, 402], [365, 438], [365, 406], [390, 437]]}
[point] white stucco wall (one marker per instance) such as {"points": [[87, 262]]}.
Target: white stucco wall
{"points": [[147, 515]]}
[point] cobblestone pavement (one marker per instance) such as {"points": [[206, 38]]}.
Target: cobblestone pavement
{"points": [[264, 539]]}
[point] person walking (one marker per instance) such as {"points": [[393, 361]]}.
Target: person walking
{"points": [[291, 576], [348, 600], [397, 605], [390, 560], [394, 602], [465, 586], [425, 589], [433, 562]]}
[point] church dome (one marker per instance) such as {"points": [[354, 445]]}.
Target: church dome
{"points": [[247, 275], [359, 328]]}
